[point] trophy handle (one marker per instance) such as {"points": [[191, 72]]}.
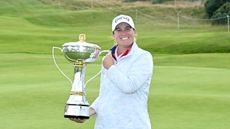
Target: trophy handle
{"points": [[59, 69], [92, 78], [103, 51]]}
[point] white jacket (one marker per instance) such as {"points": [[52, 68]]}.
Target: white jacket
{"points": [[124, 89]]}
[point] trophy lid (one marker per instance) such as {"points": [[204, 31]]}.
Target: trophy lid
{"points": [[81, 50]]}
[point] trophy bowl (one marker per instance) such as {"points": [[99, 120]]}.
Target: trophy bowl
{"points": [[88, 52]]}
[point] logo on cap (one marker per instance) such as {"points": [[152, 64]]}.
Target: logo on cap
{"points": [[122, 17]]}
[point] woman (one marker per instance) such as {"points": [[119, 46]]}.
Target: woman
{"points": [[125, 81]]}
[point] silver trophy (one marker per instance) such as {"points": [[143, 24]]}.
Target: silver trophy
{"points": [[79, 53]]}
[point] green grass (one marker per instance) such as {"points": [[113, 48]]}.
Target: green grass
{"points": [[206, 60], [190, 85], [33, 92], [191, 97]]}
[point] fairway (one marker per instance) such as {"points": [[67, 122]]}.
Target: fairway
{"points": [[34, 92], [190, 86]]}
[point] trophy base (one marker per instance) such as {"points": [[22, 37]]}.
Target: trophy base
{"points": [[76, 111], [77, 117]]}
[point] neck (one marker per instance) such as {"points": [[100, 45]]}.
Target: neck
{"points": [[121, 49]]}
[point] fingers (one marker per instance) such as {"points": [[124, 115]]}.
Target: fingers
{"points": [[78, 120], [108, 61], [91, 111]]}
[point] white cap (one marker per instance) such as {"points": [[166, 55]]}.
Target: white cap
{"points": [[122, 18]]}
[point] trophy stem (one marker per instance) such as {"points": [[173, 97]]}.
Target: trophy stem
{"points": [[78, 87], [77, 105]]}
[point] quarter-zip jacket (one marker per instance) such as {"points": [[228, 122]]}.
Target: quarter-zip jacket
{"points": [[124, 90]]}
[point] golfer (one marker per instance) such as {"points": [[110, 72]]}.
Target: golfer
{"points": [[125, 82]]}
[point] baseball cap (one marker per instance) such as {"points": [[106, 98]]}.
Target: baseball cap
{"points": [[122, 18]]}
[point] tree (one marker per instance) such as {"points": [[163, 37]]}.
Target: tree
{"points": [[221, 13], [212, 5]]}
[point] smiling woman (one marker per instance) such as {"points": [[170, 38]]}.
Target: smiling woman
{"points": [[125, 82]]}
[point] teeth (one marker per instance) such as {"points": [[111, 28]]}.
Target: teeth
{"points": [[124, 38]]}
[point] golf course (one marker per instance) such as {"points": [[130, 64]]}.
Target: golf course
{"points": [[190, 88]]}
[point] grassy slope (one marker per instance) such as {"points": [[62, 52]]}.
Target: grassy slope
{"points": [[43, 25], [188, 89]]}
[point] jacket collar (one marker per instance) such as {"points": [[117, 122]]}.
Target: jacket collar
{"points": [[130, 52]]}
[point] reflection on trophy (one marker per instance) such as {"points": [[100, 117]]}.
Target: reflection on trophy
{"points": [[80, 53]]}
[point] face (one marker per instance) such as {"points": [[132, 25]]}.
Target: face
{"points": [[124, 35]]}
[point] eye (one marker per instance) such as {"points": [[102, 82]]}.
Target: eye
{"points": [[128, 28], [118, 29]]}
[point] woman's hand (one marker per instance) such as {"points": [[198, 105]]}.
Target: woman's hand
{"points": [[78, 120], [82, 120], [108, 61]]}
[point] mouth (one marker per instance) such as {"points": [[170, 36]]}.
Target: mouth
{"points": [[124, 38]]}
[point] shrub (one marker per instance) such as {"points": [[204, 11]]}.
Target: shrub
{"points": [[156, 1], [159, 1]]}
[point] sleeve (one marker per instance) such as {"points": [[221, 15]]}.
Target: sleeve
{"points": [[140, 72], [94, 105]]}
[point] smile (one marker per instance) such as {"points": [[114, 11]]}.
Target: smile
{"points": [[124, 38]]}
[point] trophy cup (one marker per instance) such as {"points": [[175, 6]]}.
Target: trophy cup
{"points": [[79, 53]]}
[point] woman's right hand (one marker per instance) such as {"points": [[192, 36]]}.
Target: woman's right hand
{"points": [[78, 120], [82, 120]]}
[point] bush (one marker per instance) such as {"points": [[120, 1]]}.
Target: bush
{"points": [[156, 1], [223, 11], [159, 1]]}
